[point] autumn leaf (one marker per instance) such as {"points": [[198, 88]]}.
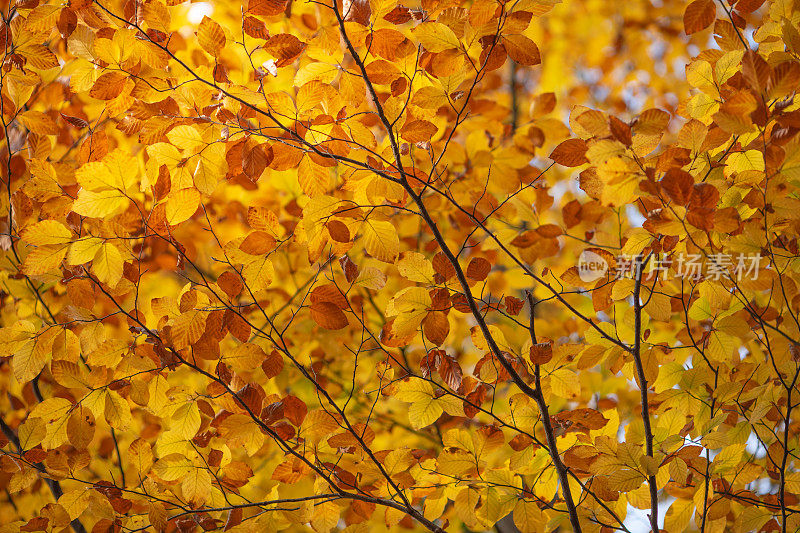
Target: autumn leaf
{"points": [[698, 15], [210, 36]]}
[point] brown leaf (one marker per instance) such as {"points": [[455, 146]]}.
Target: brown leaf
{"points": [[255, 160], [699, 15], [285, 48], [294, 409], [266, 8], [258, 243], [443, 267], [237, 326], [338, 230], [231, 283], [357, 11], [478, 268], [755, 71], [541, 353], [620, 131], [272, 364], [570, 153], [350, 269], [255, 28], [513, 305], [588, 418], [549, 231], [450, 372], [748, 6], [436, 327], [76, 122], [329, 293], [328, 316], [678, 185]]}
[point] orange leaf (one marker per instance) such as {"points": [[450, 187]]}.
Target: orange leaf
{"points": [[272, 364], [678, 185], [338, 231], [108, 86], [258, 243], [230, 282], [522, 50], [698, 16], [541, 353], [436, 327], [294, 409], [418, 131], [328, 316], [266, 8], [478, 268], [570, 153]]}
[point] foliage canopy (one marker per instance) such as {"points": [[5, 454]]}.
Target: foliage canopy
{"points": [[293, 265]]}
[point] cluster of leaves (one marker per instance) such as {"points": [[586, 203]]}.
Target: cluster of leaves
{"points": [[286, 265]]}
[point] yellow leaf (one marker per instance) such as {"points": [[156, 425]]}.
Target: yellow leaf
{"points": [[117, 411], [424, 408], [638, 239], [415, 267], [381, 240], [55, 413], [742, 161], [75, 502], [107, 264], [108, 353], [314, 179], [565, 383], [38, 122], [211, 36], [259, 273], [679, 515], [196, 485], [140, 455], [625, 480], [326, 516], [43, 259], [188, 328], [99, 204], [528, 517], [31, 433], [699, 74], [181, 205], [436, 37], [424, 412], [186, 420], [371, 278], [43, 18], [46, 232], [15, 337], [185, 137], [316, 71], [245, 357], [83, 250], [211, 169], [173, 467]]}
